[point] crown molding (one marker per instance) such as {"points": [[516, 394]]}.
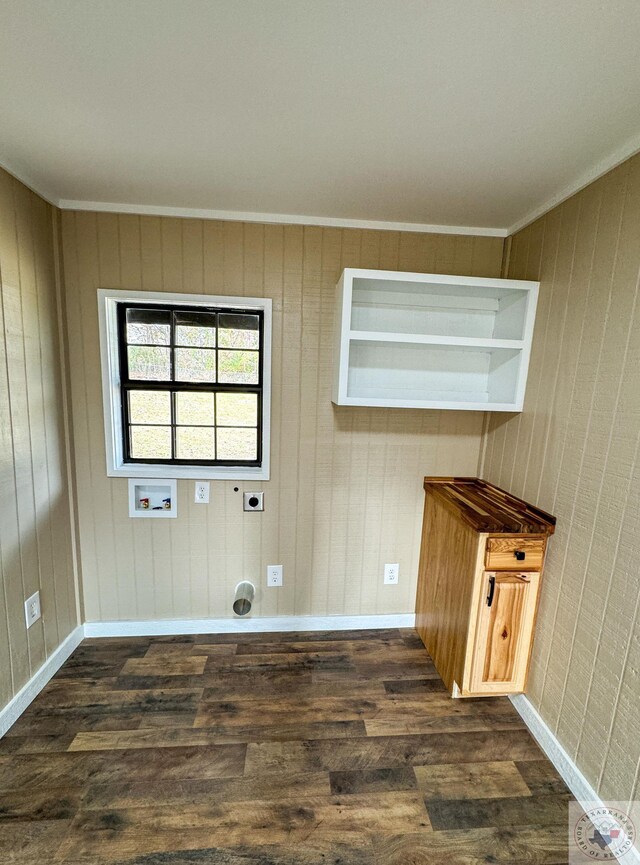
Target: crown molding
{"points": [[277, 218], [247, 216], [602, 167]]}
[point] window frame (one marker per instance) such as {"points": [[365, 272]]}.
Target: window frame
{"points": [[109, 301]]}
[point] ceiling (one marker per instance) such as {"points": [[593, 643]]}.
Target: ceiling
{"points": [[473, 113]]}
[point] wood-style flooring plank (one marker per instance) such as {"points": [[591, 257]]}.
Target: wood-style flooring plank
{"points": [[391, 751], [188, 793], [105, 702], [57, 724], [373, 781], [163, 764], [31, 842], [34, 744], [372, 648], [297, 710], [313, 852], [541, 778], [166, 665], [516, 845], [114, 834], [50, 803], [415, 686], [245, 686], [333, 662], [471, 780], [214, 650], [499, 812], [183, 737], [397, 726]]}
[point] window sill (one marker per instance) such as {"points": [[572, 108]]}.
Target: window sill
{"points": [[221, 473]]}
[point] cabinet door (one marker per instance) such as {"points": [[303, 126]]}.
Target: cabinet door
{"points": [[504, 632]]}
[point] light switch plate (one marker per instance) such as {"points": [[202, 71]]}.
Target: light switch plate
{"points": [[32, 611]]}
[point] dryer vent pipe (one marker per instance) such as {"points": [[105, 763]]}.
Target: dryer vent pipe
{"points": [[245, 593]]}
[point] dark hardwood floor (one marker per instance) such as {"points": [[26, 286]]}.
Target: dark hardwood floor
{"points": [[335, 748]]}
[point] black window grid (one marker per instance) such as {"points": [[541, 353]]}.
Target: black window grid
{"points": [[173, 387]]}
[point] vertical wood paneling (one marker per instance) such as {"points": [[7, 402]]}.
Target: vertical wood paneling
{"points": [[35, 526], [345, 495], [574, 451]]}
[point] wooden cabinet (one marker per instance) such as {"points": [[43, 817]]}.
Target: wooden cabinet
{"points": [[427, 340], [481, 563]]}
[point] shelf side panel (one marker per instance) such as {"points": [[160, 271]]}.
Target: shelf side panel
{"points": [[504, 376], [341, 346]]}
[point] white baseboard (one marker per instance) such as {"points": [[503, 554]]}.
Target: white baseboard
{"points": [[238, 626], [541, 732], [571, 775], [12, 711]]}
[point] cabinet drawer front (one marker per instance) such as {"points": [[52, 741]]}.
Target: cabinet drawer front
{"points": [[510, 553], [504, 632]]}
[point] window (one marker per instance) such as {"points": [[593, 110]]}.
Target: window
{"points": [[186, 383]]}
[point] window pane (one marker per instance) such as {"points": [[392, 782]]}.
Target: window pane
{"points": [[196, 329], [237, 444], [195, 408], [149, 406], [238, 331], [149, 326], [151, 364], [195, 443], [237, 409], [239, 367], [151, 442], [195, 364]]}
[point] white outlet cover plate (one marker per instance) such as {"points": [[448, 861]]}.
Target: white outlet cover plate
{"points": [[32, 611], [391, 574], [274, 575], [201, 494]]}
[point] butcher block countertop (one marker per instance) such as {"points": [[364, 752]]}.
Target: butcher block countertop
{"points": [[487, 508]]}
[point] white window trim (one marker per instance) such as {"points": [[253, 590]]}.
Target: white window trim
{"points": [[108, 300]]}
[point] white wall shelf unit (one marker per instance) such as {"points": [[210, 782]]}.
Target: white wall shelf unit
{"points": [[425, 340]]}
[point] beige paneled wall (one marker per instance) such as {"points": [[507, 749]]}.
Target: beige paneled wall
{"points": [[35, 534], [345, 493], [574, 452]]}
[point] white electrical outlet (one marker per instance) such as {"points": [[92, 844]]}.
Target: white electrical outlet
{"points": [[32, 610], [202, 493], [274, 575], [391, 574]]}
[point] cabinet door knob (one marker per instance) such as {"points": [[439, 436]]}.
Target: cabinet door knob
{"points": [[492, 588], [520, 555]]}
